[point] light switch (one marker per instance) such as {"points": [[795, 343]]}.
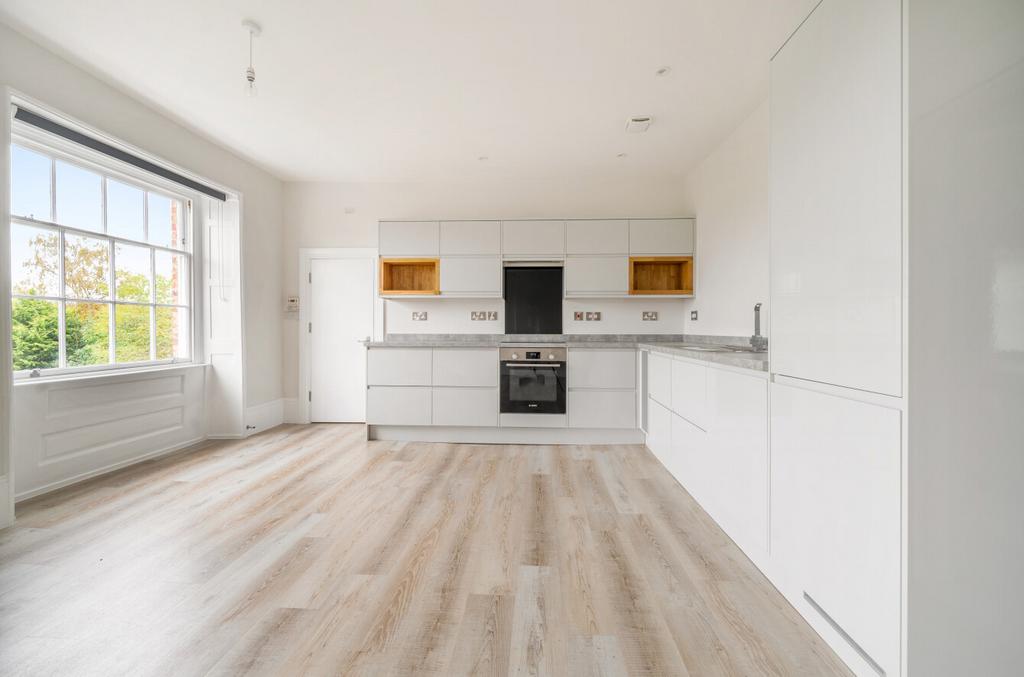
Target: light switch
{"points": [[693, 314]]}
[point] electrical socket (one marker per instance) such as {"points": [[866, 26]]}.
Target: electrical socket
{"points": [[419, 315], [577, 316], [492, 315], [483, 315], [593, 316], [650, 316], [693, 314]]}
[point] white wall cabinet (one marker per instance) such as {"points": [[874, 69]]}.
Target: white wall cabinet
{"points": [[408, 238], [602, 409], [533, 239], [661, 237], [470, 238], [596, 276], [465, 407], [398, 405], [835, 525], [689, 391], [471, 276], [399, 367], [836, 198], [465, 367], [591, 368], [596, 237]]}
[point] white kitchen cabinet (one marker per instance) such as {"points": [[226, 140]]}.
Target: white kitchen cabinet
{"points": [[835, 511], [593, 368], [688, 459], [661, 237], [465, 406], [408, 238], [533, 239], [398, 366], [836, 199], [597, 237], [689, 391], [602, 409], [659, 378], [737, 456], [465, 367], [398, 405], [596, 276], [471, 276], [470, 238], [659, 431]]}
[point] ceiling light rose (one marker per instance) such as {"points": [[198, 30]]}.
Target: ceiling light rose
{"points": [[254, 30], [663, 71]]}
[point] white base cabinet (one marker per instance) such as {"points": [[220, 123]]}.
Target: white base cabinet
{"points": [[398, 405], [465, 407], [602, 409]]}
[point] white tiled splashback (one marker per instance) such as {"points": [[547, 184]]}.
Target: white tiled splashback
{"points": [[452, 316]]}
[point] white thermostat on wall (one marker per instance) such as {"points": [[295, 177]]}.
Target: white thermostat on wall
{"points": [[291, 304]]}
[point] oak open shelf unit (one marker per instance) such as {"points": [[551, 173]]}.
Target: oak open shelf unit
{"points": [[410, 276], [661, 275]]}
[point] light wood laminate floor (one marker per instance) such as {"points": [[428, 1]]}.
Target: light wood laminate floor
{"points": [[308, 550]]}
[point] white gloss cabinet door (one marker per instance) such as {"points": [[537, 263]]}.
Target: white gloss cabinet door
{"points": [[465, 407], [533, 239], [408, 238], [397, 405], [596, 275], [659, 431], [688, 460], [835, 514], [602, 368], [596, 237], [470, 238], [398, 366], [689, 392], [602, 409], [836, 200], [661, 237], [471, 276], [659, 379], [465, 367]]}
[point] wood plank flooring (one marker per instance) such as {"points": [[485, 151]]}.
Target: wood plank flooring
{"points": [[309, 551]]}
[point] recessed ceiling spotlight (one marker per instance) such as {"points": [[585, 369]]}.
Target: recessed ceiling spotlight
{"points": [[622, 155], [663, 71], [638, 124]]}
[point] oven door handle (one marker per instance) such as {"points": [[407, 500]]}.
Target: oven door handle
{"points": [[531, 364]]}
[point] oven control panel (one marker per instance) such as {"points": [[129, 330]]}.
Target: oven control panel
{"points": [[537, 354]]}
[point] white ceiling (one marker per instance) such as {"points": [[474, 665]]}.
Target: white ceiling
{"points": [[417, 90]]}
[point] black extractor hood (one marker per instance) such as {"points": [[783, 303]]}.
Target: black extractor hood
{"points": [[533, 299]]}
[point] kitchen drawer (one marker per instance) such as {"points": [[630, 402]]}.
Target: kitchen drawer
{"points": [[689, 392], [398, 366], [659, 378], [465, 406], [466, 367], [390, 405], [602, 409], [602, 368]]}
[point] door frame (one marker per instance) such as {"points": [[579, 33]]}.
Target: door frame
{"points": [[306, 257]]}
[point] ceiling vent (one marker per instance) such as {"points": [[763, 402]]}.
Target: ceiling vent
{"points": [[638, 124]]}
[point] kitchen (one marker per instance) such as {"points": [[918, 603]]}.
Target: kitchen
{"points": [[678, 338]]}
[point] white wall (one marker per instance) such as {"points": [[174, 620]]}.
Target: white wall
{"points": [[346, 215], [30, 69], [966, 336], [729, 192]]}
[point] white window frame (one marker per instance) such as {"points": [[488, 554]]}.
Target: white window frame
{"points": [[60, 149]]}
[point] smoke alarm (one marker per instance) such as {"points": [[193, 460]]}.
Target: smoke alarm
{"points": [[638, 124]]}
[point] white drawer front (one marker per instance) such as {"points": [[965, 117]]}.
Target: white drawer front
{"points": [[388, 405], [462, 238], [398, 366], [661, 237], [597, 237], [408, 238], [597, 275], [602, 368], [602, 409], [466, 367], [659, 378], [465, 406], [479, 275], [689, 392]]}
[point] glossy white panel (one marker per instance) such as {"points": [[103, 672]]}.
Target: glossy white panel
{"points": [[465, 406], [689, 391], [398, 366], [473, 275], [472, 238], [408, 238], [835, 513], [597, 237], [602, 409], [659, 379], [597, 275], [602, 368], [659, 431], [661, 237], [836, 207], [688, 461], [533, 238], [396, 405], [465, 367]]}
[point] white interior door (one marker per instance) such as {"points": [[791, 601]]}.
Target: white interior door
{"points": [[341, 314]]}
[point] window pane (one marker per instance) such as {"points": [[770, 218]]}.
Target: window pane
{"points": [[86, 267], [165, 221], [87, 333], [34, 338], [171, 278], [172, 338], [79, 202], [35, 256], [30, 184], [131, 332], [133, 278], [125, 213]]}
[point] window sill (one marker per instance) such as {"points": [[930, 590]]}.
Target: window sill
{"points": [[107, 374]]}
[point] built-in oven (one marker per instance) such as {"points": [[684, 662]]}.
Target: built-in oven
{"points": [[533, 379]]}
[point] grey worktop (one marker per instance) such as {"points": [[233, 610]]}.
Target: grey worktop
{"points": [[672, 344]]}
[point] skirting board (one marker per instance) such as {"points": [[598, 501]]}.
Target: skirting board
{"points": [[503, 435], [264, 416], [6, 502]]}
